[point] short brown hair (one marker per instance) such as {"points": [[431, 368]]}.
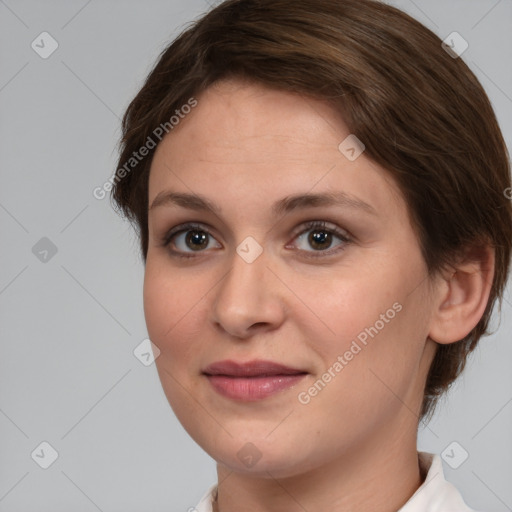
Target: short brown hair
{"points": [[421, 113]]}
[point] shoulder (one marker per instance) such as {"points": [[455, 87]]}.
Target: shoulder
{"points": [[436, 494]]}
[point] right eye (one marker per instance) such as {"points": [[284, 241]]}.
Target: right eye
{"points": [[188, 239]]}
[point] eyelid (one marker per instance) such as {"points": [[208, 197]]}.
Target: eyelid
{"points": [[321, 224], [186, 226]]}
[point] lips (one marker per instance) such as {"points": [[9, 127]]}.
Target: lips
{"points": [[251, 381], [256, 368]]}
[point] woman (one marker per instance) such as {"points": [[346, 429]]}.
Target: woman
{"points": [[319, 187]]}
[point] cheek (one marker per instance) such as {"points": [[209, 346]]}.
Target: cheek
{"points": [[351, 308], [159, 305], [176, 313], [169, 299], [164, 306], [380, 357], [375, 324], [169, 313]]}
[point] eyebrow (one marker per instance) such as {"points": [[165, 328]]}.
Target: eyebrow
{"points": [[198, 202]]}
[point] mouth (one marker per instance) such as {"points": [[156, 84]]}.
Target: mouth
{"points": [[253, 380]]}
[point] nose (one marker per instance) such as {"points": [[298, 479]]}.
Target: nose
{"points": [[248, 298]]}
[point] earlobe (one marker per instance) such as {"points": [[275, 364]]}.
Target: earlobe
{"points": [[462, 295]]}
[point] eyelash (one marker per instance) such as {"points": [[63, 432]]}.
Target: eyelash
{"points": [[308, 226]]}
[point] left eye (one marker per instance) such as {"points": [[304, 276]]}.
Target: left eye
{"points": [[321, 238]]}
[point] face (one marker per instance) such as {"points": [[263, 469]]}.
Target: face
{"points": [[306, 259]]}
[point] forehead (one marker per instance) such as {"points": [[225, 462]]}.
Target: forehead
{"points": [[241, 115], [264, 141]]}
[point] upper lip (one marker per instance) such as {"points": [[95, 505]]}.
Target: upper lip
{"points": [[257, 367]]}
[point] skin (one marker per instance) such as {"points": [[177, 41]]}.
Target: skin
{"points": [[353, 446]]}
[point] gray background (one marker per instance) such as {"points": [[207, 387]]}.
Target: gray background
{"points": [[69, 324]]}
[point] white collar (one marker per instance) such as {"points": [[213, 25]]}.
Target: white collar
{"points": [[435, 494]]}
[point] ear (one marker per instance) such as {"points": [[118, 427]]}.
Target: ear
{"points": [[461, 295]]}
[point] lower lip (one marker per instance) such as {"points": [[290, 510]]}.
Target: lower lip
{"points": [[252, 388]]}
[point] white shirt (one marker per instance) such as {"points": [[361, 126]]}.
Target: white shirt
{"points": [[434, 495]]}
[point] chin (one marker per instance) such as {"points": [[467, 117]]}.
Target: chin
{"points": [[261, 457]]}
